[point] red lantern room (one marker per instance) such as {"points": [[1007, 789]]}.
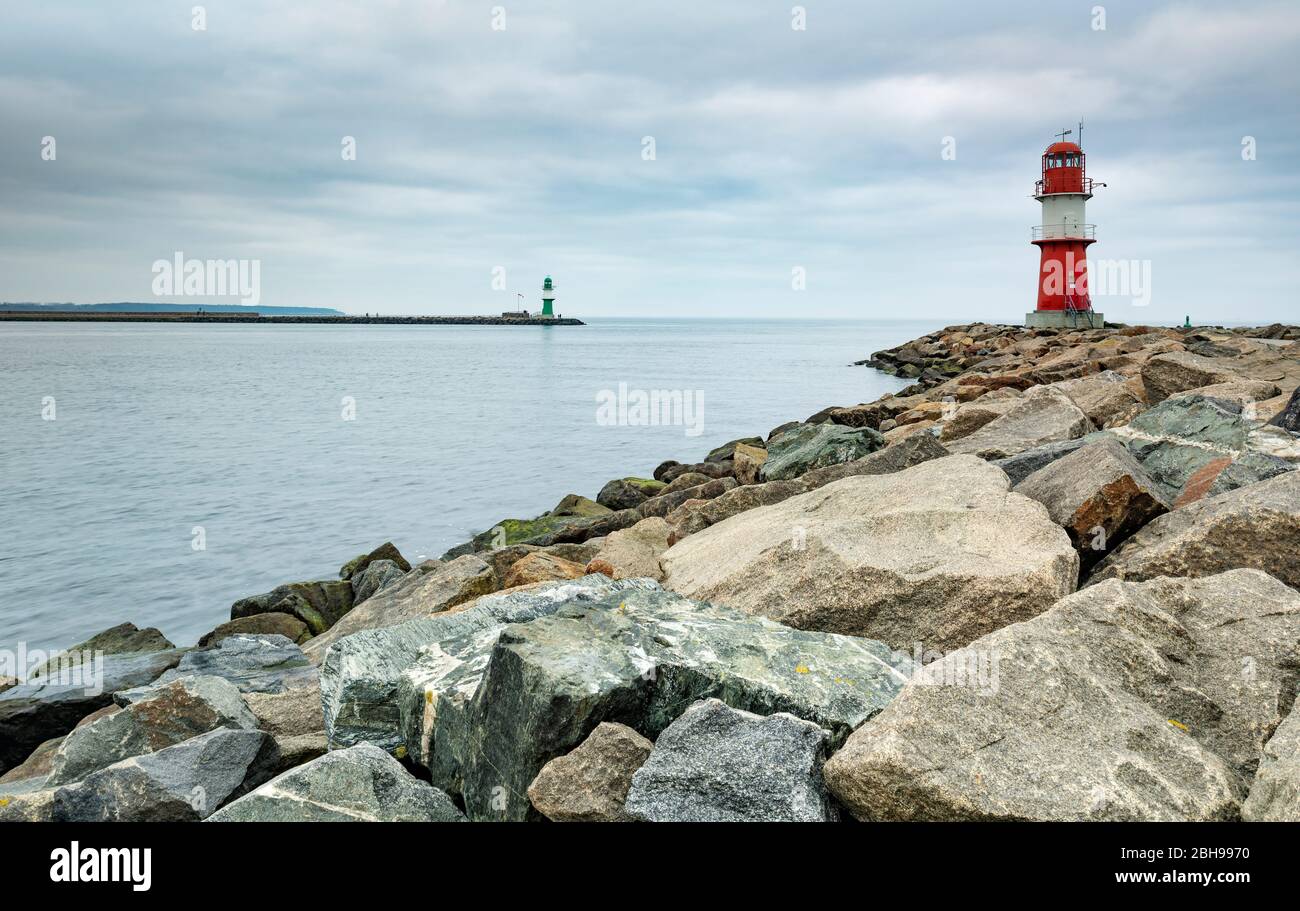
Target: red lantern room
{"points": [[1063, 238]]}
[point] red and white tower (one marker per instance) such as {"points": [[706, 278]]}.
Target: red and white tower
{"points": [[1063, 239]]}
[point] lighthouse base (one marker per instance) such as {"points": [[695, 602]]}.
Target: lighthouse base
{"points": [[1064, 319]]}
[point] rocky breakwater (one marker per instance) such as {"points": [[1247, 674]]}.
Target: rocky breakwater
{"points": [[1054, 579]]}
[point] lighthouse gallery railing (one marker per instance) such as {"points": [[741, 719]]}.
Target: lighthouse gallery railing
{"points": [[1063, 231]]}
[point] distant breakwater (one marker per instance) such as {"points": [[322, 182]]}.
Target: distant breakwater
{"points": [[64, 316]]}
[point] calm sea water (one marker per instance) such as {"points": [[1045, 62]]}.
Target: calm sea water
{"points": [[240, 431]]}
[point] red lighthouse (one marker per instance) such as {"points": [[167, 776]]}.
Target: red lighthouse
{"points": [[1063, 239]]}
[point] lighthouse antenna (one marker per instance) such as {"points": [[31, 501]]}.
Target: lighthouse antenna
{"points": [[1080, 134], [1064, 133]]}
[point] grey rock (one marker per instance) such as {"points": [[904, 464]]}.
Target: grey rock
{"points": [[174, 712], [714, 470], [360, 673], [726, 450], [185, 782], [486, 715], [123, 639], [1105, 397], [1256, 526], [359, 784], [717, 764], [591, 783], [378, 575], [1275, 792], [32, 713], [1147, 701], [254, 664], [665, 503], [621, 494], [801, 449]]}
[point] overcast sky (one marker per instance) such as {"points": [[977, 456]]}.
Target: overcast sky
{"points": [[524, 148]]}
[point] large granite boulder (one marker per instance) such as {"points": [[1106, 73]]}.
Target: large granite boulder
{"points": [[441, 586], [1042, 415], [544, 531], [633, 553], [808, 446], [484, 712], [748, 462], [895, 457], [696, 515], [318, 604], [1178, 371], [727, 451], [1099, 494], [1275, 792], [590, 783], [32, 713], [174, 712], [718, 764], [387, 551], [360, 673], [1148, 701], [254, 664], [184, 782], [577, 505], [1107, 398], [359, 784], [1256, 526], [938, 554]]}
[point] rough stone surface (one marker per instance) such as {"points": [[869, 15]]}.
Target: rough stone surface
{"points": [[627, 493], [386, 551], [1106, 398], [318, 604], [378, 575], [717, 764], [255, 664], [1042, 415], [359, 784], [274, 624], [541, 567], [633, 553], [185, 782], [938, 554], [1099, 494], [1023, 464], [359, 675], [32, 713], [292, 713], [1178, 371], [1289, 417], [174, 712], [444, 586], [895, 457], [1256, 526], [577, 505], [486, 711], [590, 783], [1275, 792], [810, 446], [695, 515], [1124, 702]]}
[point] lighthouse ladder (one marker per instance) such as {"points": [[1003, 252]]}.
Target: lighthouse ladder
{"points": [[1075, 312]]}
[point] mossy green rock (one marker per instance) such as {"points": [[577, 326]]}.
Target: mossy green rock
{"points": [[580, 506], [318, 604], [810, 446]]}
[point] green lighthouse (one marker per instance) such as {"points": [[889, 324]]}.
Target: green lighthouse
{"points": [[548, 297]]}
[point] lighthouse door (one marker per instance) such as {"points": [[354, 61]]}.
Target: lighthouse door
{"points": [[1070, 224]]}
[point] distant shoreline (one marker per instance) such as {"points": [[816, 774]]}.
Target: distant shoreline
{"points": [[109, 316]]}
